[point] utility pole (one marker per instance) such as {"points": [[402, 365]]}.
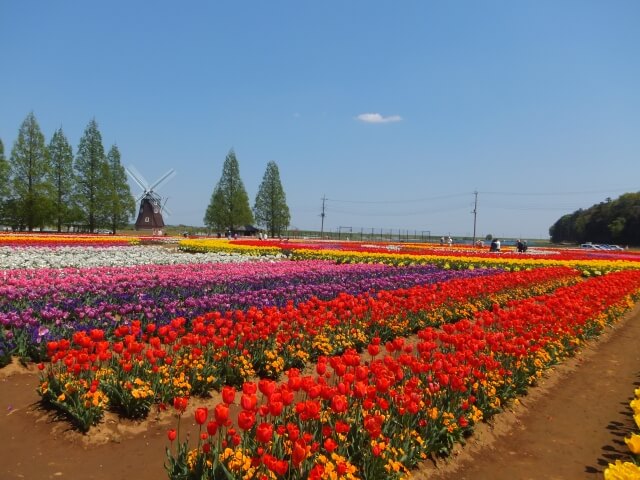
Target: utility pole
{"points": [[324, 198], [475, 213]]}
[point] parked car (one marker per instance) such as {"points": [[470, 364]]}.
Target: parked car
{"points": [[596, 246]]}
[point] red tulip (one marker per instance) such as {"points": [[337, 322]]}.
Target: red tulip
{"points": [[342, 427], [246, 420], [180, 404], [228, 394], [264, 432], [362, 372], [330, 445], [249, 402], [339, 403], [201, 415], [295, 383], [249, 388], [275, 408], [172, 434], [287, 396], [263, 410], [280, 467], [293, 431], [221, 414], [299, 453], [267, 387]]}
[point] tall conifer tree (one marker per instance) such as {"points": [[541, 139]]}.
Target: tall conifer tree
{"points": [[92, 177], [121, 203], [62, 178], [4, 174], [29, 167], [270, 209], [4, 183], [229, 205]]}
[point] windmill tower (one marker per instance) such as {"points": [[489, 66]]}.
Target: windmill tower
{"points": [[151, 205]]}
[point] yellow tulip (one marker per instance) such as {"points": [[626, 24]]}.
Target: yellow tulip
{"points": [[633, 442], [622, 471]]}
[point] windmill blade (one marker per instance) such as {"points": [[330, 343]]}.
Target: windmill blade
{"points": [[140, 197], [163, 179], [139, 179], [164, 207]]}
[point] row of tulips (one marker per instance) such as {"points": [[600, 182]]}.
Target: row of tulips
{"points": [[47, 304], [422, 249], [443, 257], [445, 260], [631, 469], [57, 240], [379, 414], [12, 258], [223, 245], [143, 365]]}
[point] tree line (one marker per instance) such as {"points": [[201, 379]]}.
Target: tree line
{"points": [[609, 222], [229, 208], [44, 185]]}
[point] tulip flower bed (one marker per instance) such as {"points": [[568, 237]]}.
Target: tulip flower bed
{"points": [[12, 258], [377, 415], [58, 240], [47, 304], [223, 245], [541, 253], [139, 365], [445, 257], [411, 346], [625, 470]]}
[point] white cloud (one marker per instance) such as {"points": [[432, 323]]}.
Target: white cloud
{"points": [[377, 118]]}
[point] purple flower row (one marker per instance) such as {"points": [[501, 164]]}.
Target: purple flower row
{"points": [[150, 295]]}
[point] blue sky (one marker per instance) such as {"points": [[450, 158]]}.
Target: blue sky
{"points": [[396, 111]]}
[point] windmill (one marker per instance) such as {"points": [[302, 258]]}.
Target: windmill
{"points": [[151, 205]]}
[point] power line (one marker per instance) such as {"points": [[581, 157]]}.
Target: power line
{"points": [[553, 194], [396, 214], [399, 201], [535, 208], [465, 194]]}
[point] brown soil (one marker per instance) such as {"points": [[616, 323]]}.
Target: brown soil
{"points": [[569, 427]]}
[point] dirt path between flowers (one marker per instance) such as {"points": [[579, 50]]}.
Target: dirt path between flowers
{"points": [[569, 427]]}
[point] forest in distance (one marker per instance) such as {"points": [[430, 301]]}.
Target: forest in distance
{"points": [[612, 221]]}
